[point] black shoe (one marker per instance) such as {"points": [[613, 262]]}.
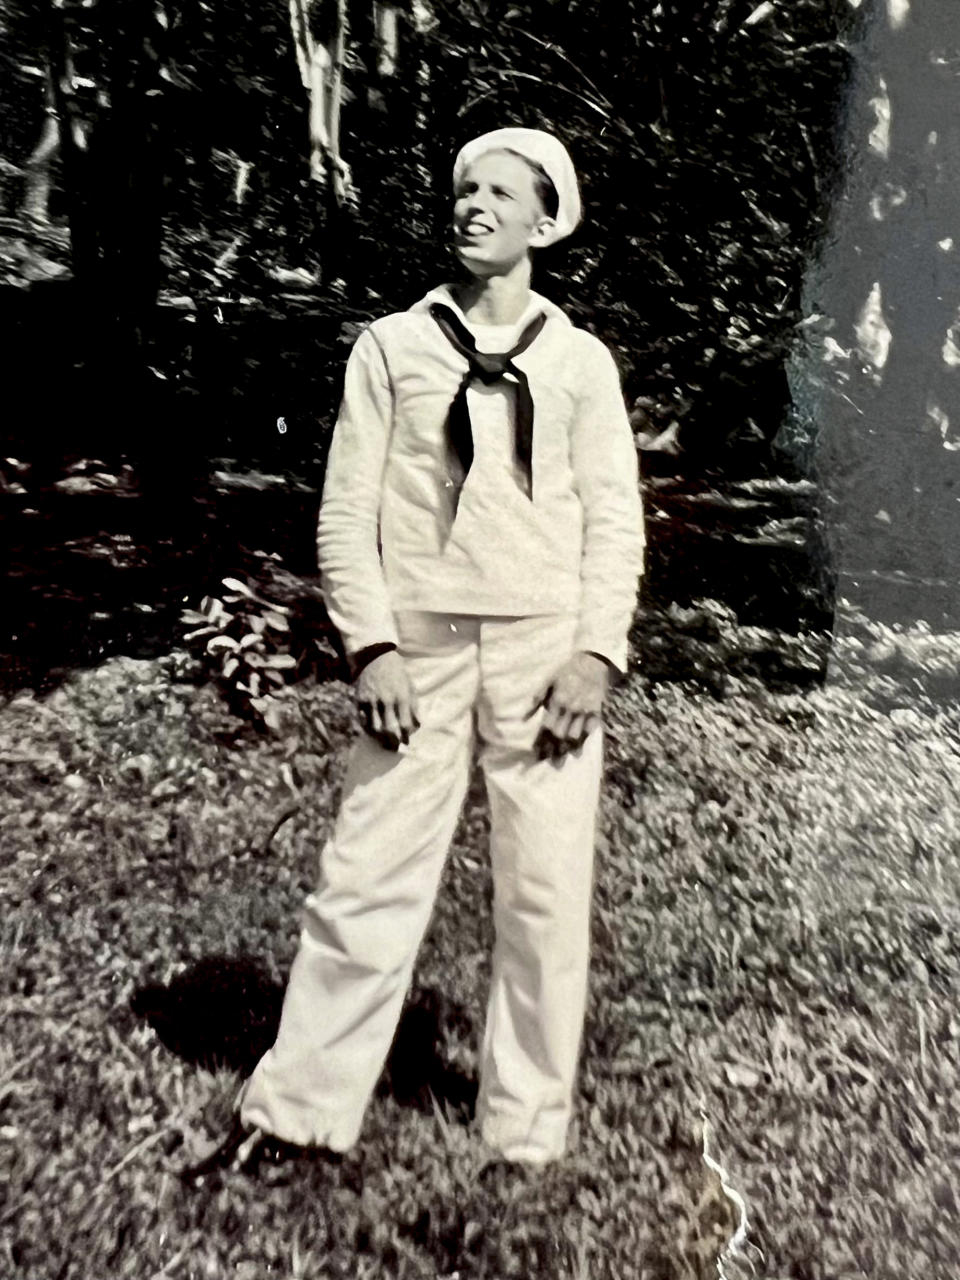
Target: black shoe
{"points": [[234, 1152], [246, 1148], [269, 1158]]}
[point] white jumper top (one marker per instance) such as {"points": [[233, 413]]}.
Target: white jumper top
{"points": [[387, 537]]}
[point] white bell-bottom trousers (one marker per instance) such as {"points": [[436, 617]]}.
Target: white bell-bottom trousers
{"points": [[476, 680]]}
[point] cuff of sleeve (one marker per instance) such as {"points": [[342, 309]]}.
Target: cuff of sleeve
{"points": [[363, 657], [614, 655]]}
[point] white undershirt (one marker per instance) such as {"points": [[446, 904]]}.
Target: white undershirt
{"points": [[494, 337]]}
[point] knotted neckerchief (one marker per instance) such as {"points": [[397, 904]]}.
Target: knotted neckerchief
{"points": [[489, 367]]}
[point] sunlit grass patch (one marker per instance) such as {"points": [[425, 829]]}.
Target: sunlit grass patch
{"points": [[776, 941]]}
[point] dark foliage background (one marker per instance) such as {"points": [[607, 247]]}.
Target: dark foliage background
{"points": [[705, 134], [185, 283]]}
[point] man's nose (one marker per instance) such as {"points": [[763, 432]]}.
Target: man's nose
{"points": [[478, 202]]}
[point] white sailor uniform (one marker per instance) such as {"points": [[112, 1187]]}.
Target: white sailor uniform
{"points": [[485, 593]]}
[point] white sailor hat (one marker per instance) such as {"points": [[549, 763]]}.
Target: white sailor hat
{"points": [[543, 149]]}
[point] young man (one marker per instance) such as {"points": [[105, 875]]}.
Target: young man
{"points": [[480, 541]]}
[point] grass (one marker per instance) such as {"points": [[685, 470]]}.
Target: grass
{"points": [[776, 948]]}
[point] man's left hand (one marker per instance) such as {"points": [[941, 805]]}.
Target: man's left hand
{"points": [[574, 705]]}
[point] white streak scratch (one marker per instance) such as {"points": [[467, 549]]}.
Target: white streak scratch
{"points": [[898, 11], [872, 331], [734, 1245], [879, 138]]}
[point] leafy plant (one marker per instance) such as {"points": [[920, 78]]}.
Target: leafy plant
{"points": [[250, 647]]}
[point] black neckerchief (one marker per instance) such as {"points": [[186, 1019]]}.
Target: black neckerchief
{"points": [[488, 367]]}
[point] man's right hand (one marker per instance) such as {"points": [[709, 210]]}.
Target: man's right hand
{"points": [[386, 701]]}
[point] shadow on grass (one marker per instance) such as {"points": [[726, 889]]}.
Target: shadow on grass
{"points": [[223, 1011]]}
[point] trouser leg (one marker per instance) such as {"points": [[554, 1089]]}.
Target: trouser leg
{"points": [[542, 838], [363, 926]]}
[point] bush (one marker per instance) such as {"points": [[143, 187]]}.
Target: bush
{"points": [[255, 648]]}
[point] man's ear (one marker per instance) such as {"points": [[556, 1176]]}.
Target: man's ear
{"points": [[543, 233]]}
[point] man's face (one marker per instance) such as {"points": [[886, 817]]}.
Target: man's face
{"points": [[497, 214]]}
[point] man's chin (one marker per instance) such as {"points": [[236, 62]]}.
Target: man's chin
{"points": [[468, 250], [474, 260]]}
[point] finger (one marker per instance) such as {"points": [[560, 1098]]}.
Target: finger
{"points": [[548, 731], [376, 719], [365, 714], [542, 701], [390, 735], [593, 721], [561, 725], [551, 747], [554, 710], [406, 720], [576, 730]]}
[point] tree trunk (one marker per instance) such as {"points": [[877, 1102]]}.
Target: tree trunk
{"points": [[321, 66], [129, 174], [422, 20], [37, 176], [73, 149], [321, 71], [339, 172], [886, 390], [386, 36]]}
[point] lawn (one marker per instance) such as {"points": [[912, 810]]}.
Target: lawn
{"points": [[772, 1021]]}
